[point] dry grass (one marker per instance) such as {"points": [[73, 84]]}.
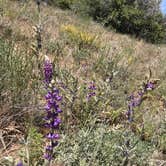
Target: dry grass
{"points": [[20, 19]]}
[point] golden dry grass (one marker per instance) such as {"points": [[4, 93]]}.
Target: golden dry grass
{"points": [[21, 18]]}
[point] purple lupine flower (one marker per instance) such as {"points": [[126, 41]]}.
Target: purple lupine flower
{"points": [[54, 144], [58, 98], [56, 122], [48, 96], [48, 107], [52, 102], [48, 71], [49, 148], [58, 110], [48, 156], [52, 108], [92, 86], [52, 136], [90, 94], [149, 86], [92, 89], [135, 101]]}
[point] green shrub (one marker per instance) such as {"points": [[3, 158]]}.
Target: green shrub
{"points": [[153, 29], [123, 15], [126, 17], [100, 146], [32, 148], [16, 67]]}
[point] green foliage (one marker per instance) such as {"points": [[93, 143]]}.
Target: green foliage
{"points": [[32, 150], [15, 70], [153, 29], [35, 146], [100, 146], [124, 16], [162, 137]]}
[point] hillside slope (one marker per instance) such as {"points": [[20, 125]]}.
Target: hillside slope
{"points": [[19, 19], [82, 51]]}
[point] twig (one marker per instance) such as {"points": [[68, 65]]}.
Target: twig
{"points": [[2, 140]]}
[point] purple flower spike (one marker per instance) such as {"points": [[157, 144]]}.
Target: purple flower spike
{"points": [[48, 71], [90, 95], [52, 136], [57, 120], [135, 100], [91, 92], [47, 156], [52, 110]]}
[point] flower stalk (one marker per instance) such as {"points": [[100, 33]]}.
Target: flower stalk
{"points": [[92, 90], [52, 120], [135, 100]]}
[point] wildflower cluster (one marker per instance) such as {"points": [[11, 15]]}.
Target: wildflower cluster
{"points": [[136, 99], [92, 88], [52, 110], [78, 36]]}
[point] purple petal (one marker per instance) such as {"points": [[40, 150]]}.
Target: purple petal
{"points": [[149, 86], [47, 156], [52, 136], [48, 96], [56, 122], [58, 110], [58, 98], [49, 148], [48, 71], [48, 107]]}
